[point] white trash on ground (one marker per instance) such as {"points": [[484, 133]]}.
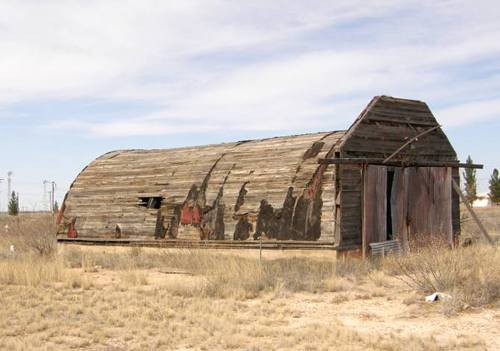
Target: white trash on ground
{"points": [[437, 296]]}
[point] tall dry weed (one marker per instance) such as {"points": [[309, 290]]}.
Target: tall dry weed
{"points": [[28, 234], [471, 274]]}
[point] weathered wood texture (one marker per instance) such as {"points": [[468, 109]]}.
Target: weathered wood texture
{"points": [[430, 203], [455, 205], [350, 205], [388, 123], [384, 126], [399, 206], [402, 163], [272, 188], [374, 206], [420, 205]]}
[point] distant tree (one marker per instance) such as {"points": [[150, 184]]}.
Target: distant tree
{"points": [[470, 182], [56, 207], [495, 187], [13, 204]]}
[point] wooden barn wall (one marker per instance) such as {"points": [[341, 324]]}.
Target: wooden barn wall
{"points": [[272, 188], [455, 205], [388, 123], [350, 205], [381, 129]]}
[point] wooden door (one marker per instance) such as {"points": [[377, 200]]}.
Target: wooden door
{"points": [[429, 213], [408, 204], [399, 206], [374, 228]]}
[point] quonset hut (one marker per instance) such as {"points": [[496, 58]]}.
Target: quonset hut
{"points": [[389, 176]]}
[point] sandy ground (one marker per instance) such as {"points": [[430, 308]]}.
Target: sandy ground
{"points": [[107, 313], [159, 308]]}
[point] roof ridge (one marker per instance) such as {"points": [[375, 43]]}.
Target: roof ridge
{"points": [[234, 143]]}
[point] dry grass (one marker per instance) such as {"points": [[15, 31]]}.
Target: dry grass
{"points": [[490, 218], [129, 299], [224, 275], [28, 233], [471, 275]]}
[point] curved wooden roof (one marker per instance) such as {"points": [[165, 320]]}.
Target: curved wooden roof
{"points": [[237, 176]]}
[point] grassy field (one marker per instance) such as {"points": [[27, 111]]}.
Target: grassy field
{"points": [[489, 216], [69, 297]]}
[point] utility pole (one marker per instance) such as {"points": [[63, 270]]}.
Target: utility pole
{"points": [[9, 185], [46, 204], [52, 200]]}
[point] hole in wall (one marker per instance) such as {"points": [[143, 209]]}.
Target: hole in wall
{"points": [[150, 202]]}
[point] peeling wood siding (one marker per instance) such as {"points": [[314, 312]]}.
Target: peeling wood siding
{"points": [[210, 192]]}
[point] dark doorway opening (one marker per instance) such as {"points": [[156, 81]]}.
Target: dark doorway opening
{"points": [[150, 202], [390, 181]]}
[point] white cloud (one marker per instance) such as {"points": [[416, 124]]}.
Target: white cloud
{"points": [[165, 53], [476, 111], [212, 65]]}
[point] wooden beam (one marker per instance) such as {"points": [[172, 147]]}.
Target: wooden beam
{"points": [[379, 161], [201, 244], [472, 213], [415, 138], [374, 118]]}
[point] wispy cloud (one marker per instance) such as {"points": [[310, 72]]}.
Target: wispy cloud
{"points": [[236, 66], [476, 112]]}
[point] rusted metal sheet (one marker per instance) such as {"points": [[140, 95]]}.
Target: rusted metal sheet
{"points": [[385, 248]]}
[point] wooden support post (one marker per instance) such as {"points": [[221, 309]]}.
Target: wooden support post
{"points": [[471, 211], [364, 245]]}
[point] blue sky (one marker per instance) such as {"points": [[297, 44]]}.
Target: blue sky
{"points": [[78, 79]]}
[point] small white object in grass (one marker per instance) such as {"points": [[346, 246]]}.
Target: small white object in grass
{"points": [[6, 227], [437, 296], [12, 249]]}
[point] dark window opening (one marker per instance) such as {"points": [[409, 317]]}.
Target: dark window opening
{"points": [[390, 181], [150, 202]]}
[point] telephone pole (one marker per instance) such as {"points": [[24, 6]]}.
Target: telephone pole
{"points": [[46, 204], [52, 192], [9, 185]]}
